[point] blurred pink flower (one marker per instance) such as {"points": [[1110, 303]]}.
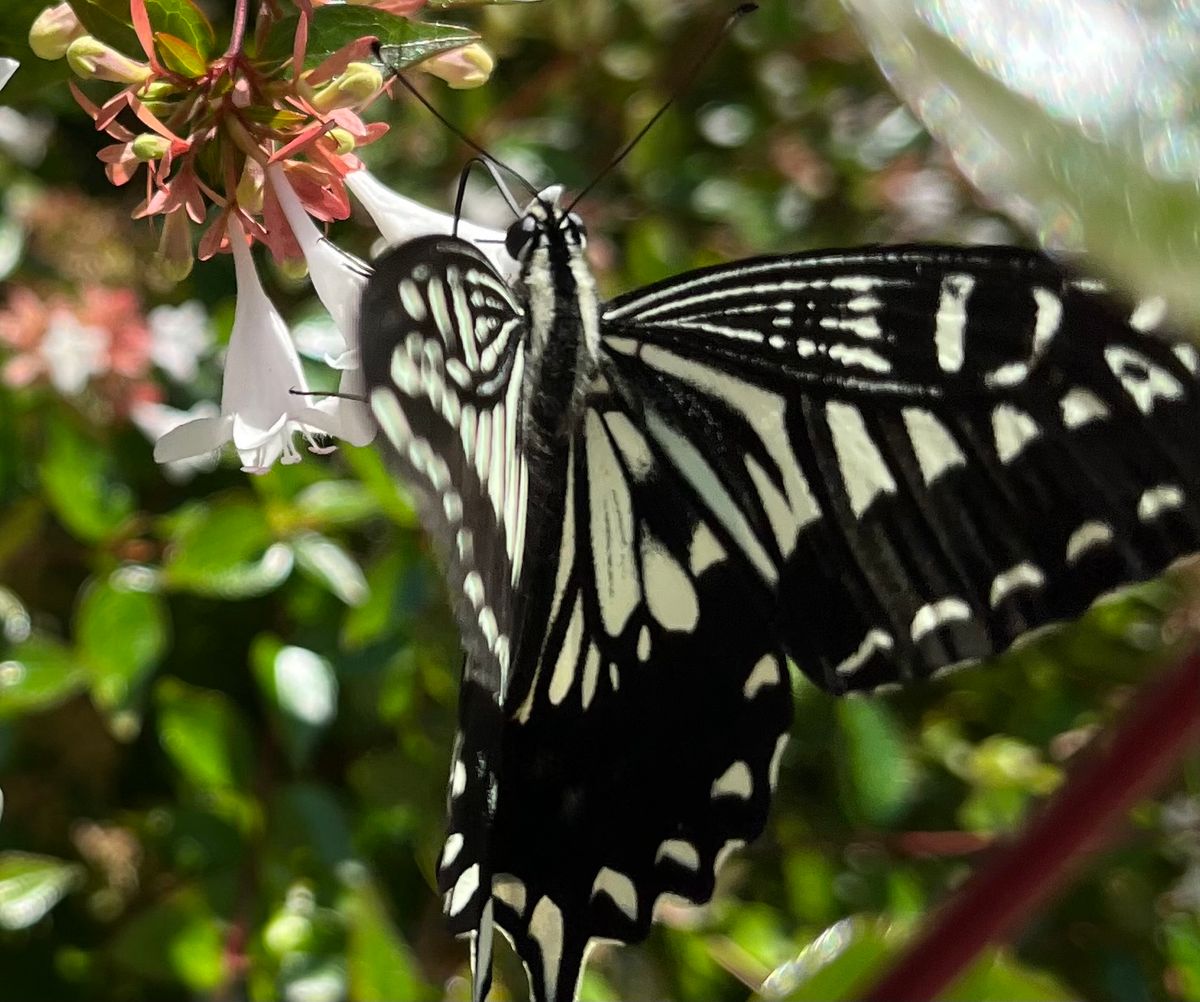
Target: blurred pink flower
{"points": [[100, 344]]}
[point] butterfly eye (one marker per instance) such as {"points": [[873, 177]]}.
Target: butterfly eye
{"points": [[519, 235]]}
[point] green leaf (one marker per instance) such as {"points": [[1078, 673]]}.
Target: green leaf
{"points": [[185, 21], [453, 4], [878, 770], [38, 673], [321, 558], [402, 42], [302, 690], [109, 21], [225, 550], [336, 503], [31, 885], [179, 57], [379, 963], [203, 733], [179, 940], [370, 468], [120, 635], [77, 476], [998, 977]]}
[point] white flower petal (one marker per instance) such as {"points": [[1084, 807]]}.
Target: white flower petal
{"points": [[337, 277], [400, 219], [73, 352], [7, 68], [179, 337], [193, 438], [247, 437]]}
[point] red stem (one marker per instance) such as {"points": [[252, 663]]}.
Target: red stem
{"points": [[1151, 737], [238, 35]]}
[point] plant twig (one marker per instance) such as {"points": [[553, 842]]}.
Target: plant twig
{"points": [[1155, 732]]}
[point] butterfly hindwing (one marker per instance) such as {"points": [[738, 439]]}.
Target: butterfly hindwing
{"points": [[642, 740], [934, 451]]}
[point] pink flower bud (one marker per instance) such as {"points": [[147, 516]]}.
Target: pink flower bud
{"points": [[462, 69]]}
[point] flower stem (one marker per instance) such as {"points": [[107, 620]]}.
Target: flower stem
{"points": [[1153, 735], [238, 34]]}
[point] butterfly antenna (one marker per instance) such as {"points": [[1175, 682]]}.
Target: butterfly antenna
{"points": [[730, 22], [485, 156], [326, 393]]}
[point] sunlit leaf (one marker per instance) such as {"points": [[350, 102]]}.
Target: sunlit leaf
{"points": [[876, 762], [79, 483], [36, 674], [379, 963], [336, 503], [203, 734], [302, 690], [30, 886], [226, 550], [120, 634], [180, 57], [999, 977], [183, 20], [322, 559], [179, 940], [402, 42]]}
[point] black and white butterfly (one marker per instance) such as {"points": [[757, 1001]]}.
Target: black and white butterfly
{"points": [[877, 463]]}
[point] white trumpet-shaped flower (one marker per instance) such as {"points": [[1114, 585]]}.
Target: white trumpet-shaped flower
{"points": [[338, 279], [399, 219], [7, 68], [264, 396]]}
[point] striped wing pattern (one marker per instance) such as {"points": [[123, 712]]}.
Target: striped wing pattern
{"points": [[442, 341], [880, 464], [930, 452]]}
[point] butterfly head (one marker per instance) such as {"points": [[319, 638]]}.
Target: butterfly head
{"points": [[544, 218]]}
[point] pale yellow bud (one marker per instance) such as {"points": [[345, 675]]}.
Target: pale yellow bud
{"points": [[175, 247], [91, 59], [149, 146], [356, 85], [345, 142], [53, 31], [250, 189]]}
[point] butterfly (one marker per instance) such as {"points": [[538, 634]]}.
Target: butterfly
{"points": [[877, 463]]}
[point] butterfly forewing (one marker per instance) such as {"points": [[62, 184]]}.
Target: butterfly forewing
{"points": [[931, 451]]}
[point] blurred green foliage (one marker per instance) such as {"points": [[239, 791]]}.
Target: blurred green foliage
{"points": [[226, 706]]}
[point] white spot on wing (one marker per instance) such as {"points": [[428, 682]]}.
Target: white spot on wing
{"points": [[1023, 575], [1048, 319], [669, 592], [937, 614], [546, 929], [1157, 500], [1088, 535], [776, 760], [863, 469], [458, 778], [950, 323], [619, 888], [765, 673], [736, 781], [464, 889], [875, 640], [727, 850], [1013, 429], [643, 648], [568, 655], [705, 550], [1079, 406], [450, 851], [591, 675], [510, 890], [934, 446], [679, 851], [1148, 314], [1144, 381]]}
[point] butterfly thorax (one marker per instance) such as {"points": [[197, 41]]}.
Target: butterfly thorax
{"points": [[562, 313]]}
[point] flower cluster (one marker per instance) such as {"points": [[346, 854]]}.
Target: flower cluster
{"points": [[99, 343], [258, 146]]}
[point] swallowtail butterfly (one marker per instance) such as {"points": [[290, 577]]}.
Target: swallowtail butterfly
{"points": [[878, 463]]}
